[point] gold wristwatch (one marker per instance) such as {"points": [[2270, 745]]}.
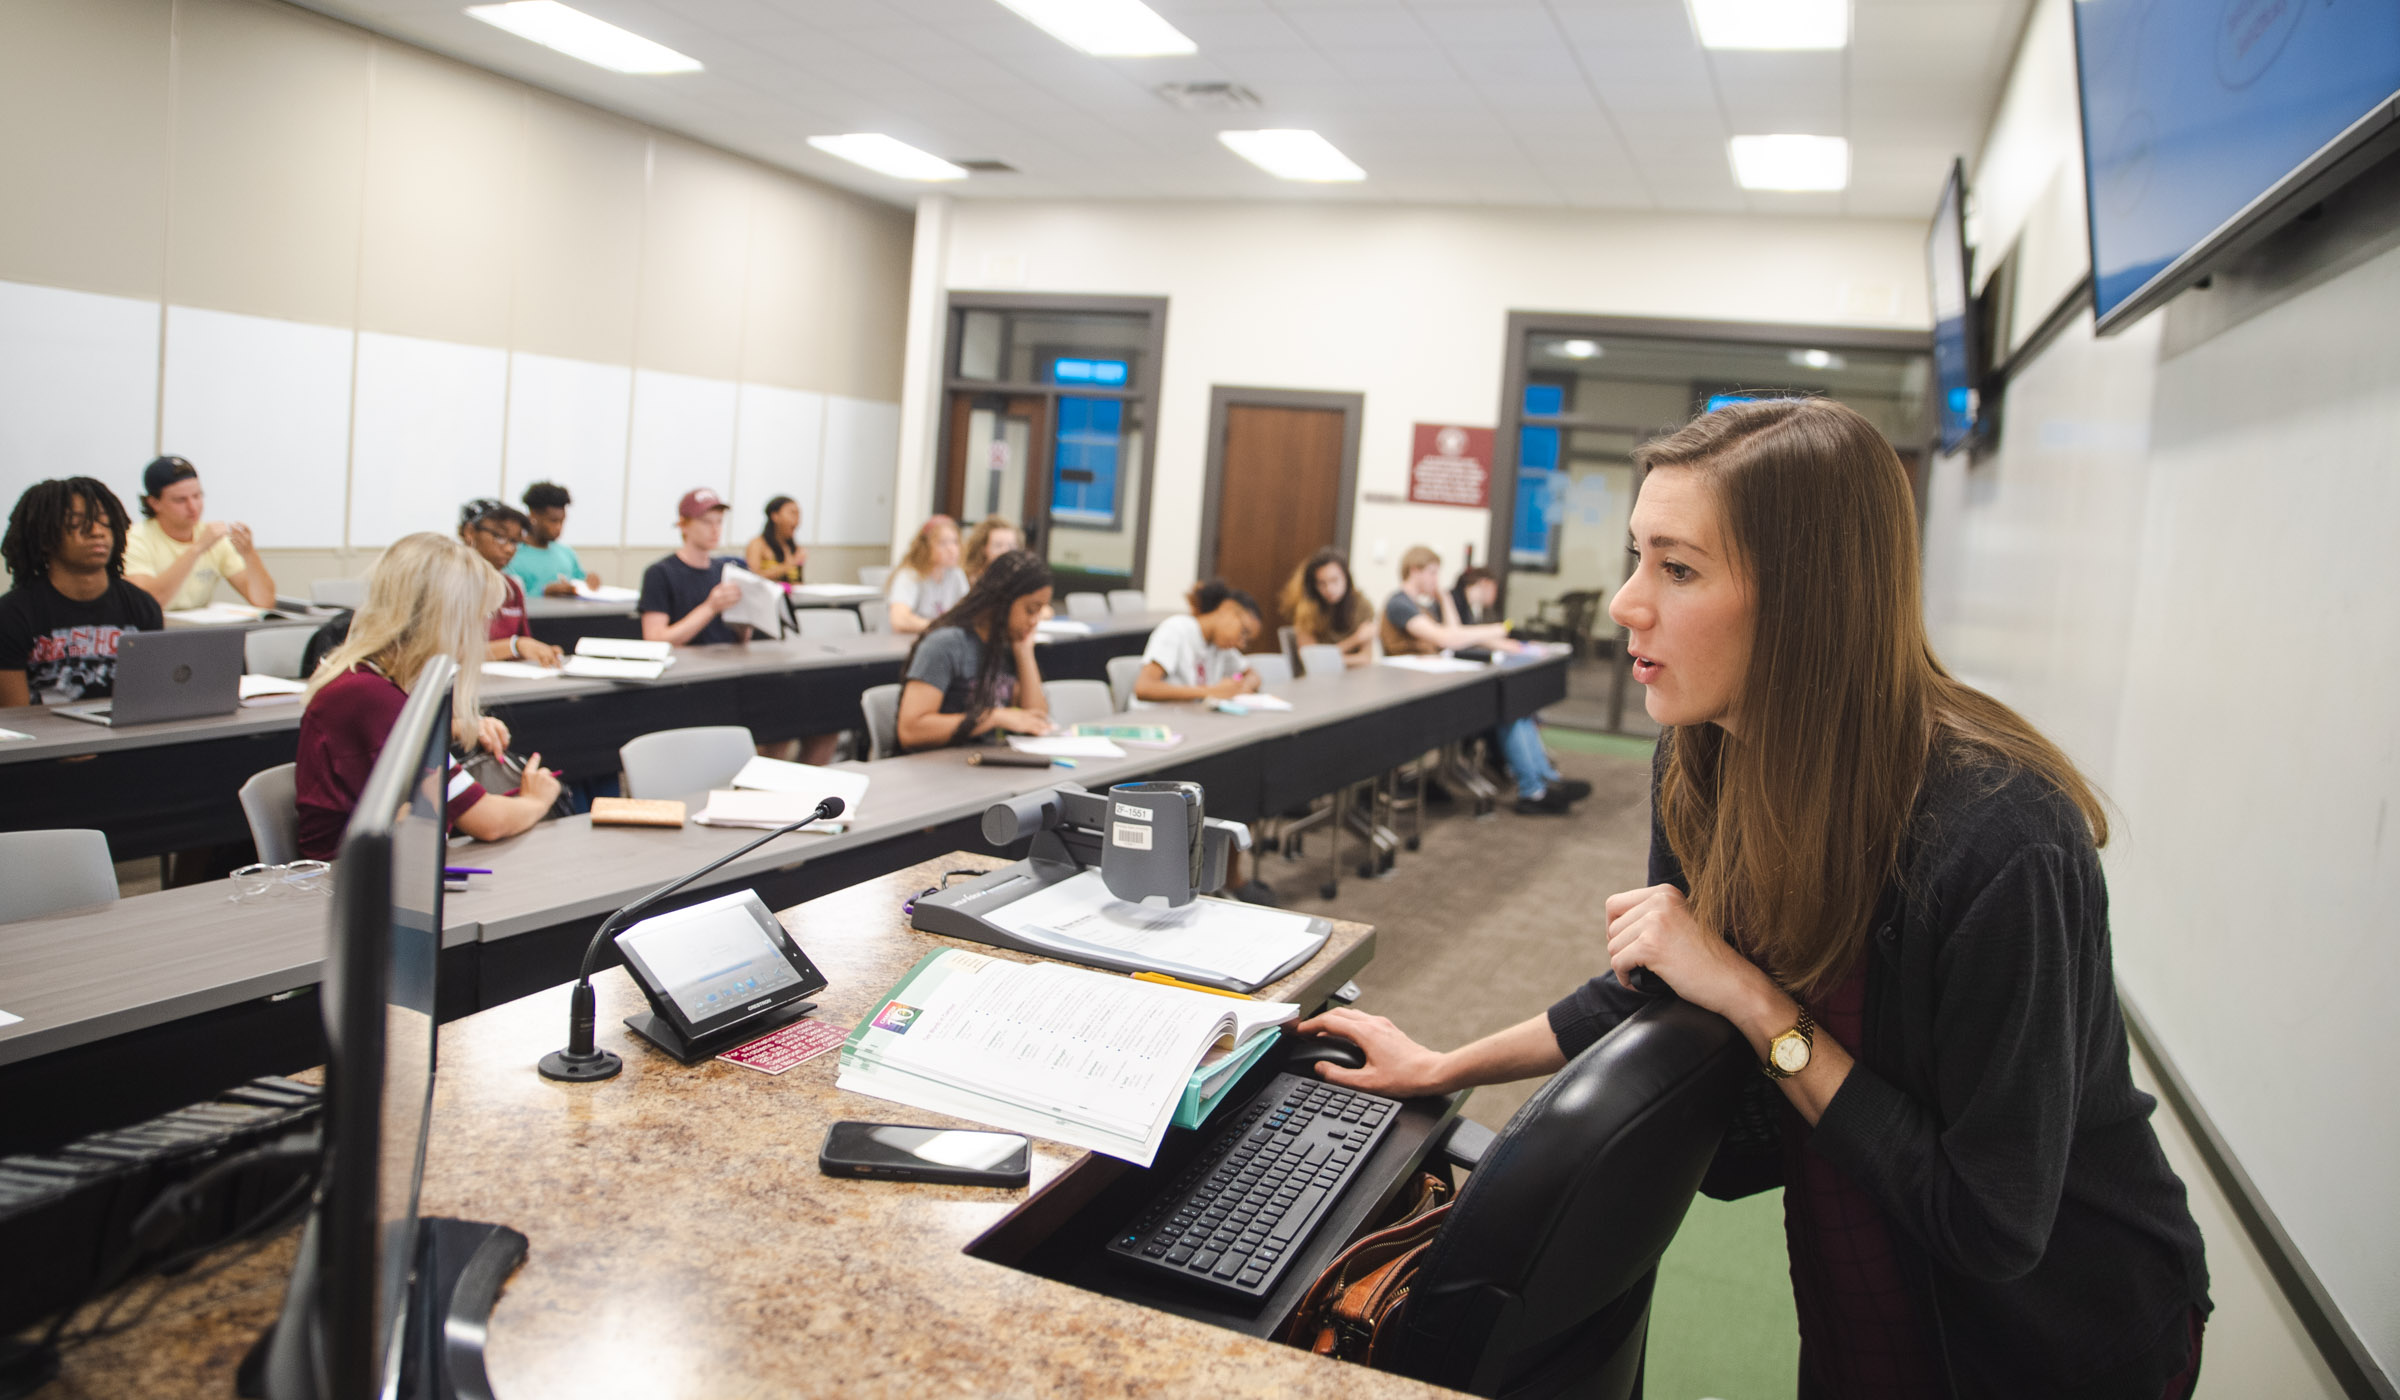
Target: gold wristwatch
{"points": [[1787, 1054]]}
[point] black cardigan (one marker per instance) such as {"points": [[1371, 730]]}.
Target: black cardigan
{"points": [[1991, 1113]]}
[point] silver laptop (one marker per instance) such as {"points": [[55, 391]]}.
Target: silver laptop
{"points": [[187, 673]]}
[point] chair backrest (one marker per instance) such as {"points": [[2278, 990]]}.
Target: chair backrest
{"points": [[1122, 601], [673, 762], [271, 804], [1539, 1282], [43, 872], [874, 575], [1074, 702], [276, 651], [338, 593], [1320, 659], [1273, 670], [829, 622], [881, 705], [875, 615], [1088, 607], [1122, 671]]}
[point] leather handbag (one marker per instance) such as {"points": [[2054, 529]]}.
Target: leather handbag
{"points": [[1344, 1313]]}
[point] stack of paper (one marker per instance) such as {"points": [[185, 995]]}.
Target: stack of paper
{"points": [[1438, 665], [521, 670], [769, 792], [606, 593], [761, 607], [271, 690], [1080, 1057], [1062, 627], [1064, 746], [1217, 941], [1248, 704], [834, 592], [620, 659], [216, 614]]}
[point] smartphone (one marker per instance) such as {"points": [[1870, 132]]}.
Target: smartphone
{"points": [[897, 1152]]}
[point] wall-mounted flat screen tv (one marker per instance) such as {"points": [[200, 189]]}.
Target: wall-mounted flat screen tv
{"points": [[2207, 123], [1954, 339]]}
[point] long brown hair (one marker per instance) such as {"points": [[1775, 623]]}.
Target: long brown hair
{"points": [[1304, 603], [919, 559], [1790, 831]]}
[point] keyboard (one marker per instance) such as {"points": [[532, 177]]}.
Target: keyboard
{"points": [[1235, 1219]]}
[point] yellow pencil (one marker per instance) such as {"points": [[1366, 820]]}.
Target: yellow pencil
{"points": [[1165, 981]]}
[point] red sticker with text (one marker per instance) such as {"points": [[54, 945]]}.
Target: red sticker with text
{"points": [[786, 1046]]}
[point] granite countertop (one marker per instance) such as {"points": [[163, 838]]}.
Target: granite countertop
{"points": [[684, 1243]]}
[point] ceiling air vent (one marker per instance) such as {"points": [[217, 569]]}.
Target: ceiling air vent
{"points": [[986, 167], [1210, 97]]}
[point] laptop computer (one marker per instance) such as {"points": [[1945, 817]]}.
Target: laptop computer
{"points": [[186, 673]]}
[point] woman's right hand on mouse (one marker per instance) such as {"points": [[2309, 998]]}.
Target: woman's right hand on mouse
{"points": [[1396, 1065]]}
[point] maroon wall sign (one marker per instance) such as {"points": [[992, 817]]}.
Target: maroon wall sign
{"points": [[1451, 466]]}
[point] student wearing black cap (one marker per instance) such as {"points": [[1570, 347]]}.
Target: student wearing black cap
{"points": [[70, 601], [177, 558]]}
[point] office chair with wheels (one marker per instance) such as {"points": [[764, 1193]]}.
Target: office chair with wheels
{"points": [[1126, 602], [1088, 607], [271, 804], [1075, 702], [1123, 671], [673, 762], [881, 707], [828, 622], [43, 872], [1539, 1282]]}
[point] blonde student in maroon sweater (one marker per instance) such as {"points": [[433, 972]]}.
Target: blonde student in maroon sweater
{"points": [[427, 597]]}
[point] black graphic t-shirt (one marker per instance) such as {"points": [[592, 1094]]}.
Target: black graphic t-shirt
{"points": [[68, 649]]}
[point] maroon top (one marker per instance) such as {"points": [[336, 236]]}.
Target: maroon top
{"points": [[1863, 1330], [341, 735], [511, 621]]}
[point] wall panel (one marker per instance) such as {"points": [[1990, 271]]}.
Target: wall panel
{"points": [[262, 408], [862, 444], [445, 145], [777, 451], [578, 230], [682, 439], [567, 423], [83, 83], [428, 427], [695, 260], [78, 387]]}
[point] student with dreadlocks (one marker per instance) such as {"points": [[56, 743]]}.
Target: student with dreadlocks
{"points": [[69, 602], [973, 671]]}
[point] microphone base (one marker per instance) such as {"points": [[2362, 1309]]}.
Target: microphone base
{"points": [[581, 1069]]}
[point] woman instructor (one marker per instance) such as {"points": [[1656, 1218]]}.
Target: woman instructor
{"points": [[1889, 883]]}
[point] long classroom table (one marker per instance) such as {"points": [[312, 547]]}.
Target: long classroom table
{"points": [[161, 999], [156, 788]]}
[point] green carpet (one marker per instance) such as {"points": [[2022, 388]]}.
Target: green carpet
{"points": [[1721, 1325]]}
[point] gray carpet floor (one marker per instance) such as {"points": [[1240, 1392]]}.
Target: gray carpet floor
{"points": [[1491, 921]]}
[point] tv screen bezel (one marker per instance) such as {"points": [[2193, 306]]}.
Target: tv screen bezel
{"points": [[1954, 196]]}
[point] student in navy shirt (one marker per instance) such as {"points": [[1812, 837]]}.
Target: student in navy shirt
{"points": [[59, 623], [427, 597], [683, 593]]}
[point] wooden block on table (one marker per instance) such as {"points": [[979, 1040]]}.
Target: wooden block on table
{"points": [[636, 811]]}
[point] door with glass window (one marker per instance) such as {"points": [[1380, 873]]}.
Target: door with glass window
{"points": [[1050, 400]]}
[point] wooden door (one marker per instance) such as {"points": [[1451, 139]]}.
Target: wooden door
{"points": [[1278, 500]]}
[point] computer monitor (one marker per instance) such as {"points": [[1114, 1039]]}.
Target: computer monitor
{"points": [[1958, 410], [345, 1320]]}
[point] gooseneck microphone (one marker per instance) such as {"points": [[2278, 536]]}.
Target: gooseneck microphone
{"points": [[583, 1061]]}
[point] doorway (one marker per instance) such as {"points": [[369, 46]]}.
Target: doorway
{"points": [[1282, 473]]}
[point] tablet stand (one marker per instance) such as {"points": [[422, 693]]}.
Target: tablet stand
{"points": [[654, 1028]]}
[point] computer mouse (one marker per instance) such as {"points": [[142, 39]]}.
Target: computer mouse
{"points": [[1323, 1050]]}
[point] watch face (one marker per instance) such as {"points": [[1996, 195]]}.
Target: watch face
{"points": [[1791, 1053]]}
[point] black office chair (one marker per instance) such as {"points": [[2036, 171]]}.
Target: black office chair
{"points": [[1539, 1282]]}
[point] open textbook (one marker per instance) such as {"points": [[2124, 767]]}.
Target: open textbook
{"points": [[1080, 1057], [770, 792], [619, 659]]}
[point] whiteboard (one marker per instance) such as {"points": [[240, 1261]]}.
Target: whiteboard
{"points": [[567, 424], [862, 451], [682, 439], [777, 450], [425, 436], [78, 389], [262, 408]]}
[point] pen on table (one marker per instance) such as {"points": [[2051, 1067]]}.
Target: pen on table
{"points": [[465, 870], [1165, 981], [1062, 763]]}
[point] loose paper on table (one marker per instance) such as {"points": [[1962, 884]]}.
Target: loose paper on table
{"points": [[1064, 746], [1207, 940]]}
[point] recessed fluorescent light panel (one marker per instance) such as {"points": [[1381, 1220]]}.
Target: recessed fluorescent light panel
{"points": [[888, 156], [1292, 155], [578, 35], [1106, 28], [1772, 24], [1790, 162]]}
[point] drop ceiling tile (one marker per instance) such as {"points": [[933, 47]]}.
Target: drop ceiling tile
{"points": [[1537, 105], [1683, 65], [1665, 102], [1394, 65], [1475, 25], [1240, 29], [1661, 23], [838, 15], [1264, 69], [1917, 22], [1336, 29], [1518, 64]]}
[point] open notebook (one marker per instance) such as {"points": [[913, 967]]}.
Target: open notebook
{"points": [[1080, 1057]]}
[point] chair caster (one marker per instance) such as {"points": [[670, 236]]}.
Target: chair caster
{"points": [[1328, 890], [1413, 842], [1267, 843], [1366, 870]]}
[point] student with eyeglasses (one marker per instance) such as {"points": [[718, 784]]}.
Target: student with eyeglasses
{"points": [[494, 529], [69, 600]]}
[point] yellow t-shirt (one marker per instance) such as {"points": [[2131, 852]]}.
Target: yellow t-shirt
{"points": [[150, 550]]}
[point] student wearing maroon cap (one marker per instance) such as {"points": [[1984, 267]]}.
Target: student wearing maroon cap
{"points": [[683, 593], [427, 597], [494, 529]]}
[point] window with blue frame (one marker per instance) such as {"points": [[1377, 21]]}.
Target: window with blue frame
{"points": [[1085, 460], [1533, 540]]}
